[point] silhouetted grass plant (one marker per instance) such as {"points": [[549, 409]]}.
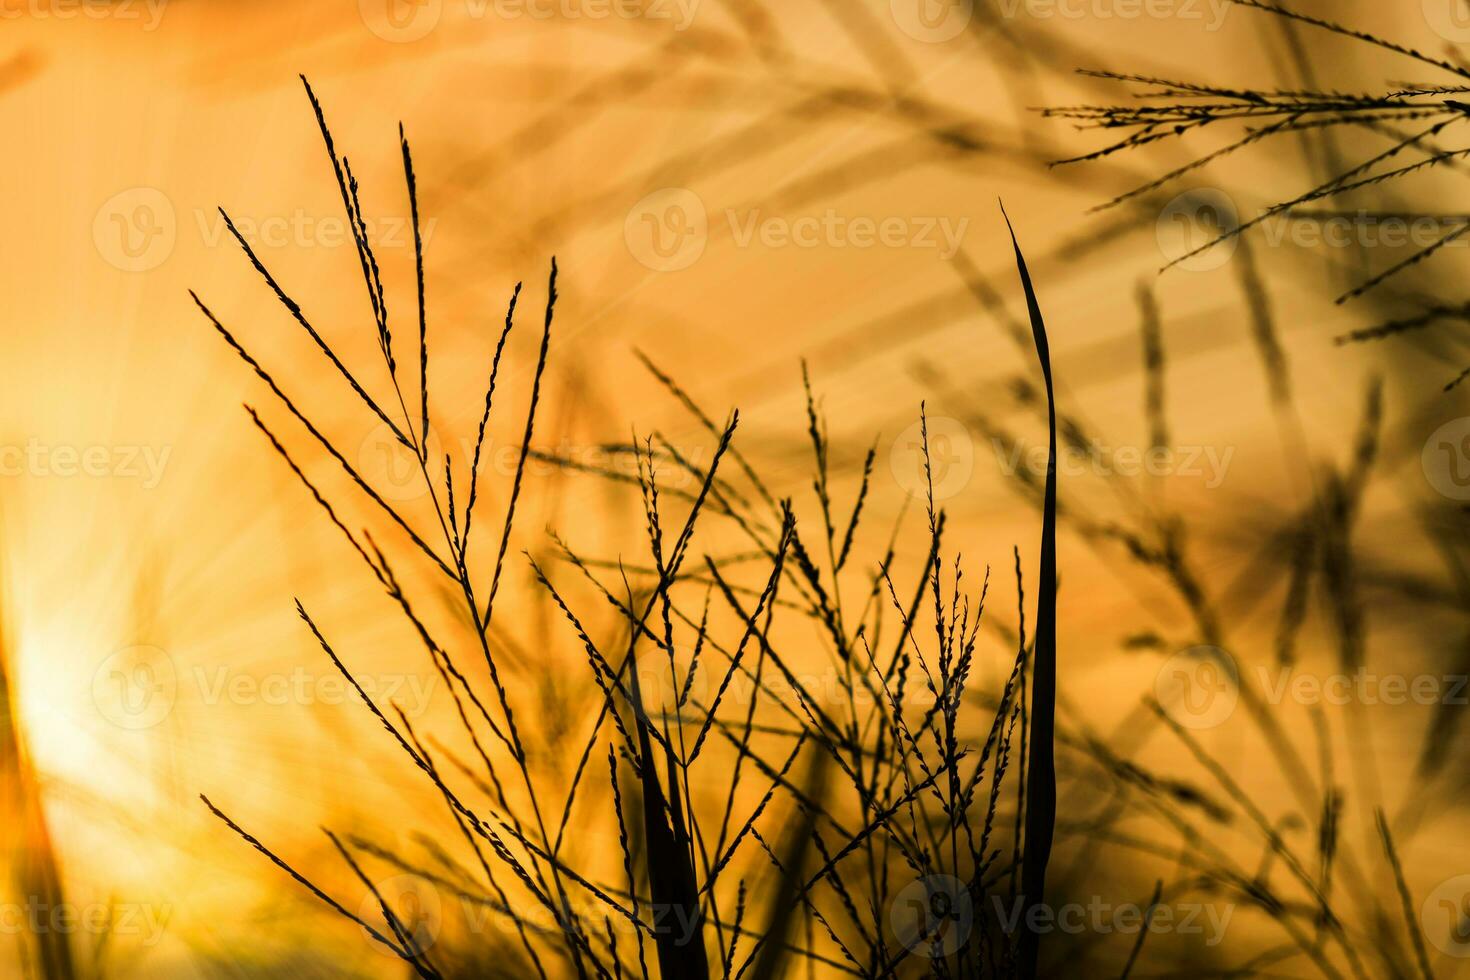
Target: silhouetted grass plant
{"points": [[1337, 908], [1406, 121], [1366, 908], [900, 796]]}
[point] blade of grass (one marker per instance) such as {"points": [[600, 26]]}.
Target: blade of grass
{"points": [[1041, 780]]}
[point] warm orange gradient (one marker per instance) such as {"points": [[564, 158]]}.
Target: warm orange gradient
{"points": [[153, 544]]}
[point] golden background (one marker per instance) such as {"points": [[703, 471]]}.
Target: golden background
{"points": [[125, 127]]}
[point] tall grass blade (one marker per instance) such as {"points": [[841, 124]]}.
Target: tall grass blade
{"points": [[1041, 778], [671, 882]]}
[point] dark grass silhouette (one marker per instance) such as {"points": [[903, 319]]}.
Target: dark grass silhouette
{"points": [[1041, 786], [1303, 538], [893, 815], [1406, 120], [915, 805], [1336, 907], [1408, 128]]}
